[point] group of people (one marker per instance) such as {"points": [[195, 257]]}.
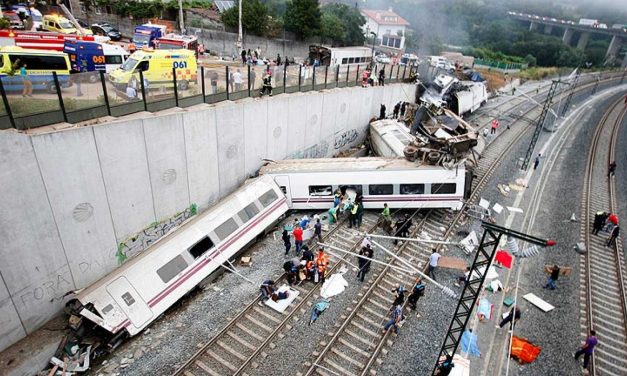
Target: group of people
{"points": [[344, 204], [607, 222], [396, 312], [368, 80], [308, 267]]}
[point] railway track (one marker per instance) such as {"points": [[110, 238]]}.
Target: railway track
{"points": [[240, 345], [247, 335], [358, 342], [603, 298]]}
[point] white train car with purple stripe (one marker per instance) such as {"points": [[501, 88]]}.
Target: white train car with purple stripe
{"points": [[131, 297], [311, 183]]}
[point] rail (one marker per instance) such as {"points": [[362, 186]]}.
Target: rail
{"points": [[605, 359]]}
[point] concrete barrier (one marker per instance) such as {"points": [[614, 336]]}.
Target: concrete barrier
{"points": [[72, 198]]}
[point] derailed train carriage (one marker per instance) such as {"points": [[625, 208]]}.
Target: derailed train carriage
{"points": [[311, 183], [131, 297]]}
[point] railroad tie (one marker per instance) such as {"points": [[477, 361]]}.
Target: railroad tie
{"points": [[206, 368], [222, 360], [232, 351]]}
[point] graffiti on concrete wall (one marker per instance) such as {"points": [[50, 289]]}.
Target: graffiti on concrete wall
{"points": [[52, 287], [319, 150], [141, 240], [345, 138]]}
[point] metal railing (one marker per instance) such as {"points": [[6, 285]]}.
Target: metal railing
{"points": [[85, 96]]}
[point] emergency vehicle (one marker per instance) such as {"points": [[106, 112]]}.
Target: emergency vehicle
{"points": [[41, 40], [93, 56], [146, 34], [39, 66], [156, 67], [176, 41], [59, 24]]}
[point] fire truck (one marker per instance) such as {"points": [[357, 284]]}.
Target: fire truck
{"points": [[42, 40], [176, 42]]}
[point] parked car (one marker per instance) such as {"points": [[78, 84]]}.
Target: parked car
{"points": [[383, 59], [106, 30], [14, 20]]}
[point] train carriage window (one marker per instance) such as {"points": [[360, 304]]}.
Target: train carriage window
{"points": [[227, 228], [248, 212], [172, 268], [201, 247], [320, 190], [380, 189], [128, 299], [351, 60], [412, 189], [268, 198], [344, 60], [443, 189]]}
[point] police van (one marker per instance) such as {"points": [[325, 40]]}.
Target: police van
{"points": [[157, 67]]}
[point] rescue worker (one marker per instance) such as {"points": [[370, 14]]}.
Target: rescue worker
{"points": [[382, 77], [286, 241], [307, 254], [399, 296], [396, 110], [318, 230], [612, 240], [403, 108], [353, 215], [513, 317], [267, 85], [382, 112], [387, 218], [416, 292], [322, 262], [364, 262], [360, 210]]}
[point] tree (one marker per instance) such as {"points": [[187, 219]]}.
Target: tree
{"points": [[254, 17], [350, 20], [331, 27], [302, 17], [530, 60]]}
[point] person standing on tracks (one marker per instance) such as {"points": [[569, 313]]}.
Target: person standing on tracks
{"points": [[536, 162], [433, 262], [495, 124], [399, 228], [395, 318], [298, 238], [322, 262], [332, 215], [611, 171], [318, 230], [396, 110], [364, 262], [366, 242], [403, 107], [387, 218], [399, 296], [587, 349], [416, 293], [353, 215], [555, 273], [287, 242], [599, 222], [612, 240], [360, 210]]}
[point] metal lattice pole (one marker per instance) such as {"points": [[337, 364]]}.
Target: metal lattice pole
{"points": [[570, 95], [536, 134], [487, 248]]}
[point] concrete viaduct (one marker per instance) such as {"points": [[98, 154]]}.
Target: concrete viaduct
{"points": [[618, 36]]}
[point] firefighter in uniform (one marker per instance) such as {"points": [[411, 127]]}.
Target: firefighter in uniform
{"points": [[322, 262]]}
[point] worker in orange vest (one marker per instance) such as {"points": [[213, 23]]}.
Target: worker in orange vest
{"points": [[322, 262]]}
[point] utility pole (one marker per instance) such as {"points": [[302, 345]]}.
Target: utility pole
{"points": [[181, 20], [478, 271], [536, 134], [570, 95], [239, 32]]}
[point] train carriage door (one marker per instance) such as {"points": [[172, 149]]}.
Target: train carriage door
{"points": [[283, 181], [130, 301]]}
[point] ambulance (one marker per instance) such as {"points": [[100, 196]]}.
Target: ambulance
{"points": [[156, 67]]}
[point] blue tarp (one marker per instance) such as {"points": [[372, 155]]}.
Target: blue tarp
{"points": [[469, 343]]}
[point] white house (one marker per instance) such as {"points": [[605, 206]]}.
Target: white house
{"points": [[389, 28]]}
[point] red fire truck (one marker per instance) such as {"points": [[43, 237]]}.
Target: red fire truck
{"points": [[40, 40]]}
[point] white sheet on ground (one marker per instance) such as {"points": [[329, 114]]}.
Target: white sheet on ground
{"points": [[491, 273], [334, 285], [462, 366], [470, 242], [484, 203], [281, 305], [536, 301]]}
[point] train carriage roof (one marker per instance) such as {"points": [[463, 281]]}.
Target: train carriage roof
{"points": [[341, 164]]}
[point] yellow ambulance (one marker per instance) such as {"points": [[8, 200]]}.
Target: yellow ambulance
{"points": [[157, 68]]}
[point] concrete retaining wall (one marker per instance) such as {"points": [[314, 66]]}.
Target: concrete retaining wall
{"points": [[70, 197]]}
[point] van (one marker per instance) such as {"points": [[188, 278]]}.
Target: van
{"points": [[156, 67], [39, 66], [58, 24], [93, 57]]}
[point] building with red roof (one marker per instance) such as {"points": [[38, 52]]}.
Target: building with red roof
{"points": [[389, 28]]}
